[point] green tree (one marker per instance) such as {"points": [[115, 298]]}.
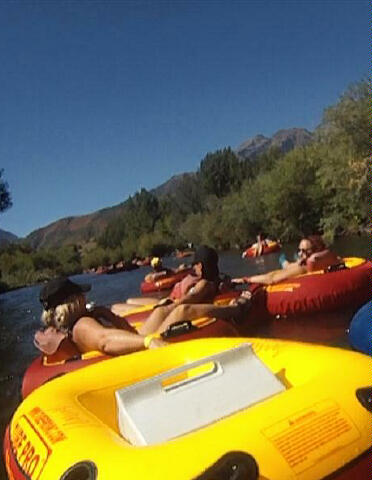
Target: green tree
{"points": [[343, 161], [262, 163], [95, 257], [140, 215], [220, 172], [349, 121], [5, 198]]}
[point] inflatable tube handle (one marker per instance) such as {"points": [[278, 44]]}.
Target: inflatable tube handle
{"points": [[178, 328], [207, 370], [335, 268], [203, 391]]}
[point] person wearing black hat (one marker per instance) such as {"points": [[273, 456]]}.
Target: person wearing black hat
{"points": [[58, 289], [201, 287], [65, 314]]}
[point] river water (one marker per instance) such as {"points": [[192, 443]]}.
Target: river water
{"points": [[20, 311]]}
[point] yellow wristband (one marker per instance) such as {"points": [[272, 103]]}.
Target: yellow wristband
{"points": [[147, 340]]}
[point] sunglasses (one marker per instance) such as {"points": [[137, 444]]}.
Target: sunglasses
{"points": [[306, 251]]}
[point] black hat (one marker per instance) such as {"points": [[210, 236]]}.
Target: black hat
{"points": [[205, 254], [58, 289], [208, 257]]}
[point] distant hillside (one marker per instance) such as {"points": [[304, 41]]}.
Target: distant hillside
{"points": [[7, 237], [171, 185], [83, 228], [285, 140], [69, 230]]}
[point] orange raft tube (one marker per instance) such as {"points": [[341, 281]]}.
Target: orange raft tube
{"points": [[322, 291], [270, 247], [165, 283]]}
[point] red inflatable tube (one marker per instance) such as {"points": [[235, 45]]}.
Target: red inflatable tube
{"points": [[43, 369], [165, 283], [321, 292], [271, 248], [13, 469]]}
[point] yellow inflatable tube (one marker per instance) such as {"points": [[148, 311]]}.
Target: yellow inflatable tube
{"points": [[312, 426]]}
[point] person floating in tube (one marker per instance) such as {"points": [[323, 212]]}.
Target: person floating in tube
{"points": [[159, 271], [259, 246], [312, 255]]}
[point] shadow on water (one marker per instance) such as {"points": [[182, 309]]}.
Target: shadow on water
{"points": [[20, 312]]}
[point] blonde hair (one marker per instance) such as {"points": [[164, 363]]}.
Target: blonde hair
{"points": [[63, 316]]}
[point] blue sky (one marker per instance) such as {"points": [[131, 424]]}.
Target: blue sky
{"points": [[99, 99]]}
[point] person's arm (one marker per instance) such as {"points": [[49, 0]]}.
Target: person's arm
{"points": [[239, 280], [90, 335], [277, 275]]}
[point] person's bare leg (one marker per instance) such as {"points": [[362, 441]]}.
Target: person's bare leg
{"points": [[155, 319], [142, 301], [123, 308], [192, 312]]}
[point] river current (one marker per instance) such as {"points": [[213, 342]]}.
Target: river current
{"points": [[20, 311]]}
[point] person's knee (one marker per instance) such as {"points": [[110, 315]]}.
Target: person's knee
{"points": [[116, 308]]}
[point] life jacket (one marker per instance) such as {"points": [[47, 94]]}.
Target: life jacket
{"points": [[321, 260], [181, 288]]}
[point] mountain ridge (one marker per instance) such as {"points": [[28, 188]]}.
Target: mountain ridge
{"points": [[7, 237], [284, 139], [83, 228]]}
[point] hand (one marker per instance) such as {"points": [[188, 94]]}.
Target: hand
{"points": [[240, 280], [157, 343]]}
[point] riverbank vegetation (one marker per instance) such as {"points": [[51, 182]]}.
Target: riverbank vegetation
{"points": [[324, 187]]}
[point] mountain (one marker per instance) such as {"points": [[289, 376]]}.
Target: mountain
{"points": [[285, 140], [171, 185], [84, 228], [69, 230], [7, 237]]}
